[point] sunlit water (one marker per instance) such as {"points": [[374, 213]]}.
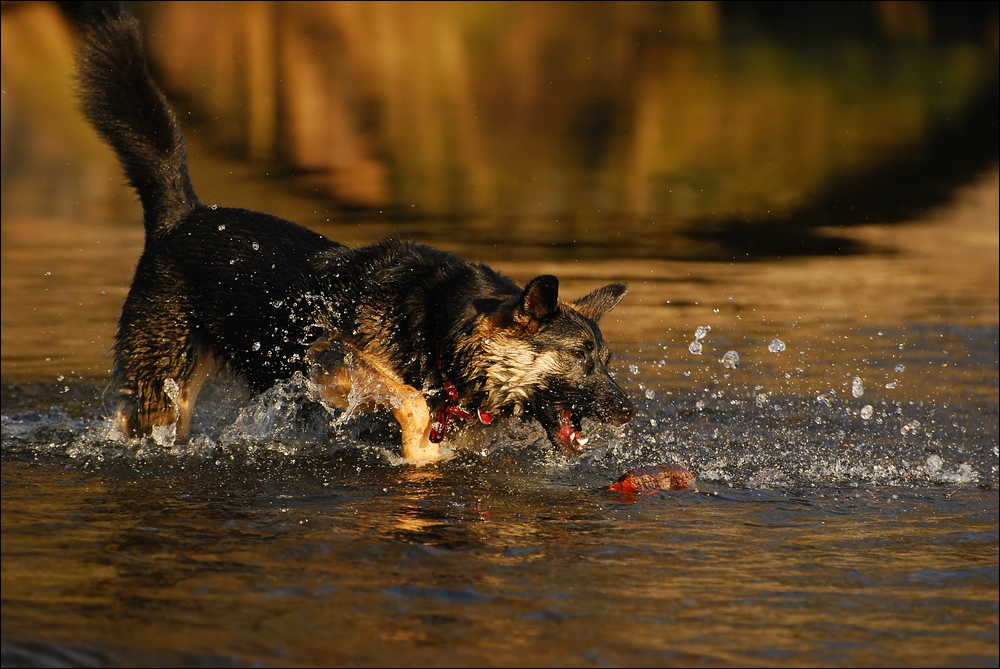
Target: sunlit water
{"points": [[842, 432], [814, 537], [839, 413]]}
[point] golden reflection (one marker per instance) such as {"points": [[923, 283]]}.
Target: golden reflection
{"points": [[41, 575], [412, 518]]}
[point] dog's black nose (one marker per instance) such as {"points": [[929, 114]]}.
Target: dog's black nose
{"points": [[619, 409]]}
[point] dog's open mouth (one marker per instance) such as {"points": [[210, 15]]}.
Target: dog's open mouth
{"points": [[569, 432], [563, 420]]}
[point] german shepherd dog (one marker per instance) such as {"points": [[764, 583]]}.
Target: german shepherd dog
{"points": [[435, 337]]}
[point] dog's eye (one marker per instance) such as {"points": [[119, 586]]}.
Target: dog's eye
{"points": [[579, 354]]}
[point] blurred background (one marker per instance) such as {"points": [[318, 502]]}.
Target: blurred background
{"points": [[697, 130], [812, 187]]}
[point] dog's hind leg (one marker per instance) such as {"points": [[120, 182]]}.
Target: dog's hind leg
{"points": [[159, 368], [169, 399], [205, 367]]}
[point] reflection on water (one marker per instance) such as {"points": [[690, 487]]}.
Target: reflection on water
{"points": [[145, 566], [846, 510]]}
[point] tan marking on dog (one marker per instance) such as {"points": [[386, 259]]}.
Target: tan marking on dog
{"points": [[205, 367], [363, 382], [136, 421], [124, 421]]}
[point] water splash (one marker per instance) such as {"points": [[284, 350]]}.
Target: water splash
{"points": [[727, 433]]}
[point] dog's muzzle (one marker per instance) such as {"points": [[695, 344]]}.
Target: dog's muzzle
{"points": [[563, 422]]}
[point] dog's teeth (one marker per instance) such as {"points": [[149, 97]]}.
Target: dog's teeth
{"points": [[581, 441]]}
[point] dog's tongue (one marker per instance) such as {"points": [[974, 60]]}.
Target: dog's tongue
{"points": [[569, 434]]}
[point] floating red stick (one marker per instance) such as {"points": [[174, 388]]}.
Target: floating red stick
{"points": [[645, 480]]}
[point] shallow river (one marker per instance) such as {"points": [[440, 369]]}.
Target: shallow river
{"points": [[834, 393], [846, 508]]}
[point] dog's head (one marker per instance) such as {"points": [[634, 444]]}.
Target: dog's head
{"points": [[547, 358]]}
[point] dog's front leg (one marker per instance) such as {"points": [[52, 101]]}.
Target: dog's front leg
{"points": [[410, 410], [367, 383]]}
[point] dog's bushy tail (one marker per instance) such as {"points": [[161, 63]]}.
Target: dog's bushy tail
{"points": [[128, 109]]}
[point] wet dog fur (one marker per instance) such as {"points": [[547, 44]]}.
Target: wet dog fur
{"points": [[219, 288]]}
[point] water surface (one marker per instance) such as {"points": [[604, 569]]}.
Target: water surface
{"points": [[846, 509]]}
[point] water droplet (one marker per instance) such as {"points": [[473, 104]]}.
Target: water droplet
{"points": [[867, 411], [222, 227], [762, 400], [900, 367], [256, 246], [633, 369], [776, 346], [857, 387], [695, 347], [731, 360], [650, 394], [701, 331], [172, 390], [256, 346], [892, 384], [232, 262]]}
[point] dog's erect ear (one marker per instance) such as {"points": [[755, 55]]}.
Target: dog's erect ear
{"points": [[541, 296], [601, 301]]}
